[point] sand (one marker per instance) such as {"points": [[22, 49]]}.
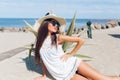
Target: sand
{"points": [[12, 40], [104, 48]]}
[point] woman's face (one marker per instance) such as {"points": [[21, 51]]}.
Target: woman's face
{"points": [[53, 26]]}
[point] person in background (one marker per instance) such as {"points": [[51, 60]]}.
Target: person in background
{"points": [[89, 31]]}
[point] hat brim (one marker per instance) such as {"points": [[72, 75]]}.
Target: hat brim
{"points": [[60, 20]]}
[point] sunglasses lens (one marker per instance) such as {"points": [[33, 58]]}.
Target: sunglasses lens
{"points": [[55, 23]]}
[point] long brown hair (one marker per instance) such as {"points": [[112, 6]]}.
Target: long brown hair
{"points": [[42, 34]]}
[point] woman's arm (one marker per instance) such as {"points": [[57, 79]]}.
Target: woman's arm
{"points": [[43, 77], [43, 68], [79, 41]]}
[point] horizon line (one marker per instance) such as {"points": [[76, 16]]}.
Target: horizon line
{"points": [[65, 18]]}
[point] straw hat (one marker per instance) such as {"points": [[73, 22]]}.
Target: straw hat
{"points": [[60, 20]]}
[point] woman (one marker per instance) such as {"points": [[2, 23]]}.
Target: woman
{"points": [[60, 65]]}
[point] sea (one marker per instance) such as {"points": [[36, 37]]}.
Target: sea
{"points": [[19, 22]]}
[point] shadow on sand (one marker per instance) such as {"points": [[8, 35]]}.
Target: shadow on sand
{"points": [[115, 35], [31, 66]]}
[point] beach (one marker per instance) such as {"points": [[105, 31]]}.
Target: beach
{"points": [[11, 40], [104, 47]]}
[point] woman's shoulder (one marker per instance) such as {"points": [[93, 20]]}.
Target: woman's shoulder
{"points": [[60, 36]]}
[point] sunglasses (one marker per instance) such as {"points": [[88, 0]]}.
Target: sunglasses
{"points": [[54, 23]]}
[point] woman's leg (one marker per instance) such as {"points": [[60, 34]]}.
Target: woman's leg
{"points": [[78, 77], [91, 73]]}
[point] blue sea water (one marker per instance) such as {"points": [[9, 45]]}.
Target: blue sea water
{"points": [[19, 22]]}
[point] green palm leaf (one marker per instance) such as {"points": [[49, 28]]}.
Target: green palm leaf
{"points": [[71, 27], [69, 33], [84, 57], [31, 29]]}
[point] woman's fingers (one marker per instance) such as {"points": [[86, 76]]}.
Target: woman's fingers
{"points": [[65, 57]]}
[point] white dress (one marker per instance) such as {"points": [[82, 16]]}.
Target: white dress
{"points": [[60, 70]]}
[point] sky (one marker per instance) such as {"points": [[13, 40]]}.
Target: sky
{"points": [[86, 9]]}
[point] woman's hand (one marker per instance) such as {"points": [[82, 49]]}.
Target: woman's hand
{"points": [[43, 77], [65, 57]]}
